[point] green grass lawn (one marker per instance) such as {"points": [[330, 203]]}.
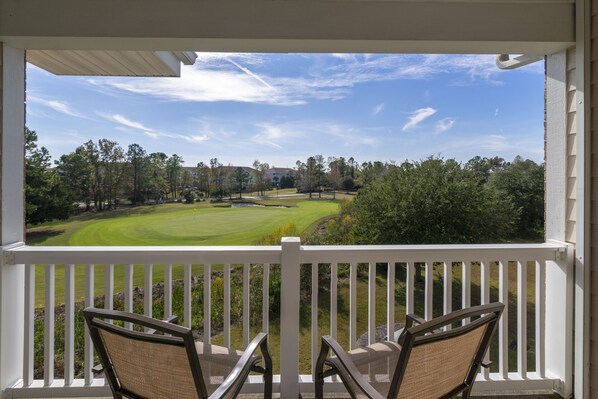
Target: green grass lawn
{"points": [[169, 224]]}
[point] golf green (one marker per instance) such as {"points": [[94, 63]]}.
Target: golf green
{"points": [[169, 224]]}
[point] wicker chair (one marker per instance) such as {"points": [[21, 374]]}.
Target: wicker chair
{"points": [[439, 358], [164, 361]]}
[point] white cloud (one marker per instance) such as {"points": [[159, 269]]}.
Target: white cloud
{"points": [[129, 123], [418, 116], [227, 76], [58, 106], [150, 132], [445, 124], [377, 109], [496, 111]]}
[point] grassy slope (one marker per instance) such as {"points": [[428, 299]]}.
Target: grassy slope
{"points": [[169, 224]]}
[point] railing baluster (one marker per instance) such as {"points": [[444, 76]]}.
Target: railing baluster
{"points": [[540, 317], [148, 296], [129, 292], [409, 298], [167, 290], [466, 290], [266, 298], [28, 347], [108, 292], [246, 304], [390, 302], [333, 299], [485, 299], [207, 303], [315, 336], [429, 291], [522, 319], [89, 301], [49, 325], [352, 305], [69, 324], [187, 295], [226, 307], [372, 303], [503, 324], [447, 289], [109, 287]]}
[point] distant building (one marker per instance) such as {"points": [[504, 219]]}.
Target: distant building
{"points": [[275, 174]]}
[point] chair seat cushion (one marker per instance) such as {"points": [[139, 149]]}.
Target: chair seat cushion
{"points": [[375, 362], [217, 362]]}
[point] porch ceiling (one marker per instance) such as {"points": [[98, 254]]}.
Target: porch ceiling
{"points": [[424, 26], [111, 63]]}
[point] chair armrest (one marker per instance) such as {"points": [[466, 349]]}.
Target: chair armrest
{"points": [[174, 319], [244, 365], [413, 318], [410, 320], [329, 343]]}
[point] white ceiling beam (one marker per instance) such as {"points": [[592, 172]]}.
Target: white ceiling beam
{"points": [[290, 25]]}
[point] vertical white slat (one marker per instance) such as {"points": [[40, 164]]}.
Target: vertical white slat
{"points": [[372, 303], [409, 298], [522, 319], [148, 294], [226, 307], [187, 295], [352, 305], [503, 323], [466, 287], [246, 304], [167, 290], [540, 318], [447, 289], [390, 302], [333, 299], [69, 324], [484, 300], [28, 347], [109, 287], [49, 325], [266, 298], [207, 303], [315, 336], [89, 301], [429, 291], [128, 305], [108, 292]]}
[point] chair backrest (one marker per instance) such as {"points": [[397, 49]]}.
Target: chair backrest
{"points": [[141, 364], [440, 362]]}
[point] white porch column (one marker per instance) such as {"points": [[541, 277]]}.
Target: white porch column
{"points": [[12, 125], [289, 317], [559, 274]]}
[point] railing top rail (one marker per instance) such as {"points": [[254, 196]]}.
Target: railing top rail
{"points": [[272, 254], [142, 254], [414, 253]]}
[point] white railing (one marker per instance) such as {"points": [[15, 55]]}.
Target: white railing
{"points": [[500, 272]]}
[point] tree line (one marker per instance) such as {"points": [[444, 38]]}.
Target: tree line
{"points": [[434, 200], [442, 201]]}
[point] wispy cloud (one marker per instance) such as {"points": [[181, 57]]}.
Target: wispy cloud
{"points": [[150, 132], [417, 117], [291, 134], [496, 111], [377, 109], [250, 78], [445, 124], [58, 106]]}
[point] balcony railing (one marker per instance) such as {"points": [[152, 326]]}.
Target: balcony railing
{"points": [[500, 272]]}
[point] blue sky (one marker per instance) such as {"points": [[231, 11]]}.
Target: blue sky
{"points": [[279, 108]]}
